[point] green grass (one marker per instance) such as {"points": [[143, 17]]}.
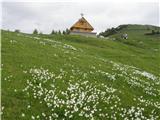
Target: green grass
{"points": [[115, 74]]}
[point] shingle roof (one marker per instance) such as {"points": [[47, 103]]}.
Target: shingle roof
{"points": [[82, 24]]}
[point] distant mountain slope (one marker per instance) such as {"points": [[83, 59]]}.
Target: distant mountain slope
{"points": [[142, 27], [130, 27], [68, 77], [136, 35]]}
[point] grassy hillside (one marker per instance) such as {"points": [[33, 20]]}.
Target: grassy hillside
{"points": [[137, 37], [79, 78]]}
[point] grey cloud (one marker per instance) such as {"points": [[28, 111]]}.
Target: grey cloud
{"points": [[61, 15]]}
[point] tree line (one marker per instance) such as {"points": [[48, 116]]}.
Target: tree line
{"points": [[153, 32], [112, 31], [35, 31]]}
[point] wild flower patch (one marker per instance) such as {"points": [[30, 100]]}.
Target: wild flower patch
{"points": [[79, 98], [43, 43], [146, 74], [108, 75], [8, 78], [56, 44], [13, 41], [142, 100], [2, 109], [135, 77], [137, 113], [52, 42], [69, 47]]}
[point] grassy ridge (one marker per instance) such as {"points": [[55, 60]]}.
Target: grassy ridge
{"points": [[74, 77]]}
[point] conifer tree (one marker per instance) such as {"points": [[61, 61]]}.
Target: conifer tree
{"points": [[35, 31], [53, 32]]}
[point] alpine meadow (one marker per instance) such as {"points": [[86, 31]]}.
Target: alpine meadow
{"points": [[73, 77]]}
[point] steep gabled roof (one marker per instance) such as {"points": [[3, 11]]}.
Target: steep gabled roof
{"points": [[83, 24]]}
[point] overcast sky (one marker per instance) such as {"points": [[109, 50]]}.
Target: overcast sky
{"points": [[46, 16]]}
